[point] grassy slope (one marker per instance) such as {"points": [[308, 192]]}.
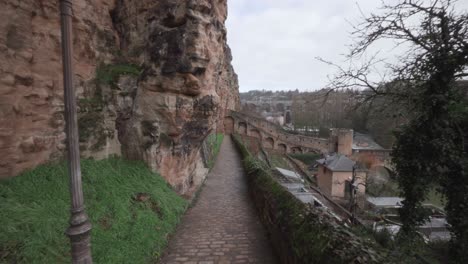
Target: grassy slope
{"points": [[214, 140], [35, 210], [391, 189], [306, 158], [279, 161]]}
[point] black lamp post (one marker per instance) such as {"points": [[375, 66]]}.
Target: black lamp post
{"points": [[80, 227]]}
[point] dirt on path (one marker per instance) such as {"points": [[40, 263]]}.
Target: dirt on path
{"points": [[222, 226]]}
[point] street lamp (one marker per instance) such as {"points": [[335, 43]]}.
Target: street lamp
{"points": [[80, 227]]}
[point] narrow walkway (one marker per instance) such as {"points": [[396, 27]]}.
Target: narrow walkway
{"points": [[223, 226]]}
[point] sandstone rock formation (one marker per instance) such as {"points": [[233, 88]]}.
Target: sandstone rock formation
{"points": [[153, 79]]}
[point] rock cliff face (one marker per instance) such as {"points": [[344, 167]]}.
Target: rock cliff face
{"points": [[153, 79]]}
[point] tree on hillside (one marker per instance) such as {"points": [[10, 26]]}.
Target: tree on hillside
{"points": [[378, 118], [322, 110], [430, 147]]}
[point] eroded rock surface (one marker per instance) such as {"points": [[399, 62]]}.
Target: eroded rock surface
{"points": [[153, 79]]}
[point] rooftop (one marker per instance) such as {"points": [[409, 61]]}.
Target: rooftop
{"points": [[288, 173], [385, 201], [365, 142], [293, 186], [337, 162]]}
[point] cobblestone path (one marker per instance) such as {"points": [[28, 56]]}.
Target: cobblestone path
{"points": [[223, 226]]}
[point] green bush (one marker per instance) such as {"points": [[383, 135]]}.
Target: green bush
{"points": [[384, 238], [389, 188], [35, 212]]}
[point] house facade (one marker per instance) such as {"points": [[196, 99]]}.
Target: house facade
{"points": [[335, 174]]}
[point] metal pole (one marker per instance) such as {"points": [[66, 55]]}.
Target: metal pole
{"points": [[353, 196], [80, 227]]}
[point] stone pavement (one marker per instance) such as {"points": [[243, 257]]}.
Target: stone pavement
{"points": [[223, 226]]}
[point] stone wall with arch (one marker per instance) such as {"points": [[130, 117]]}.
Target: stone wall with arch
{"points": [[242, 128], [269, 143], [255, 133], [229, 123], [274, 137]]}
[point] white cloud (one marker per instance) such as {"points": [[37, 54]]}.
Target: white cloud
{"points": [[275, 42]]}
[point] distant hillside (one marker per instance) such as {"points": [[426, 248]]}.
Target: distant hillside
{"points": [[262, 95], [323, 110]]}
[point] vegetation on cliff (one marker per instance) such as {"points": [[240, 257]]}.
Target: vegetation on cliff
{"points": [[132, 211], [91, 117], [108, 74]]}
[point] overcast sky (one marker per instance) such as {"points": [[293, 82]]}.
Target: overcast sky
{"points": [[275, 42]]}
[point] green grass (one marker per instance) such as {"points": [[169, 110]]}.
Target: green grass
{"points": [[214, 142], [279, 161], [35, 211], [390, 188], [306, 158]]}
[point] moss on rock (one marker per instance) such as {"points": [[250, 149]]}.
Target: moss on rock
{"points": [[108, 74]]}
